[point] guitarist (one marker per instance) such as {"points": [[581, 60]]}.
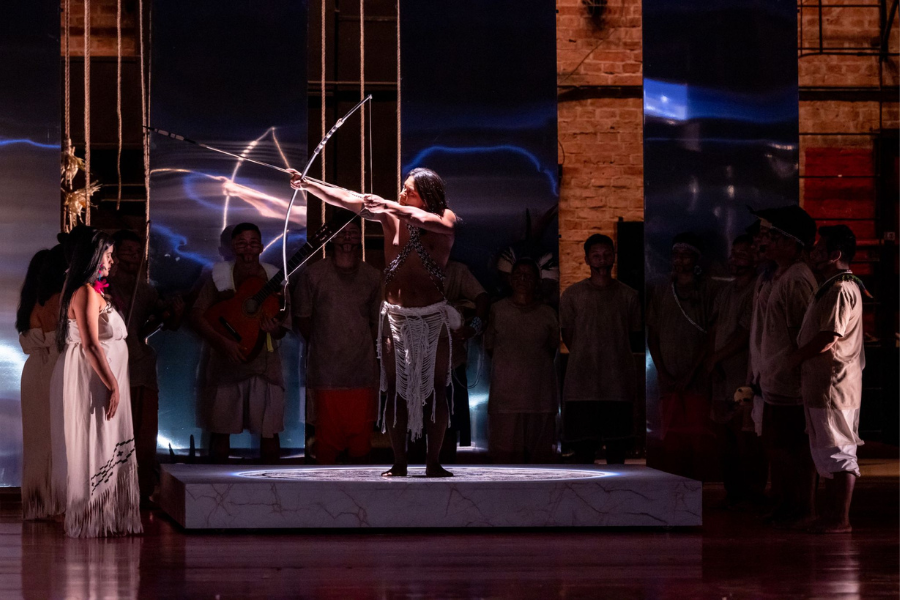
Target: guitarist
{"points": [[238, 394]]}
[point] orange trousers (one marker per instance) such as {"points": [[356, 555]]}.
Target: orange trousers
{"points": [[344, 420]]}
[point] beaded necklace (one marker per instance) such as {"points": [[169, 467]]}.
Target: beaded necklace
{"points": [[415, 243]]}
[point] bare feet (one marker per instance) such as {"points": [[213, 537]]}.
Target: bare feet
{"points": [[798, 521], [395, 471], [828, 526], [437, 471], [803, 523]]}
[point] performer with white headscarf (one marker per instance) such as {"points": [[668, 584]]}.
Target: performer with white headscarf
{"points": [[419, 231]]}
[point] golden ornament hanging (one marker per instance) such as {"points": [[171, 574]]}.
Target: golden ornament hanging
{"points": [[78, 201], [69, 165]]}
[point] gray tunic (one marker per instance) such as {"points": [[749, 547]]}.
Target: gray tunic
{"points": [[600, 320], [524, 341], [344, 309], [833, 379], [782, 316]]}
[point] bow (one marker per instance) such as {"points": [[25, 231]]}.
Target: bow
{"points": [[309, 163]]}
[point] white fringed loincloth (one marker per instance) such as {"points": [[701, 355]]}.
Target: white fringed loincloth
{"points": [[416, 333]]}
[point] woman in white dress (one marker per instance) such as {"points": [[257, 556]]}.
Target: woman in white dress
{"points": [[44, 449], [91, 377]]}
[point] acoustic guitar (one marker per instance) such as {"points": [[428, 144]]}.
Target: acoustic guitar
{"points": [[238, 317]]}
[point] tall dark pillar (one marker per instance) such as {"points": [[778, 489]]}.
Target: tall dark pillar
{"points": [[720, 132]]}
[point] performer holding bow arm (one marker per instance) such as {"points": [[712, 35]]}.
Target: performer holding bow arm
{"points": [[419, 231]]}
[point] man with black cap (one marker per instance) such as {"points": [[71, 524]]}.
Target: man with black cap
{"points": [[832, 359], [678, 320], [788, 233]]}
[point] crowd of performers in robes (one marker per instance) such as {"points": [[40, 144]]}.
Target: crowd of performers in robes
{"points": [[763, 372]]}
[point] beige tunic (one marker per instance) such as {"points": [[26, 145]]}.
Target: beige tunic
{"points": [[680, 341], [239, 396], [221, 371], [524, 341], [141, 357], [732, 312], [461, 289], [833, 379], [761, 292], [600, 320], [343, 308], [791, 294]]}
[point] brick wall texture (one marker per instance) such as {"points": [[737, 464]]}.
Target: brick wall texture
{"points": [[600, 139]]}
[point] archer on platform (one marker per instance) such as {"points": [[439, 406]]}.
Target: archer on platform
{"points": [[419, 231]]}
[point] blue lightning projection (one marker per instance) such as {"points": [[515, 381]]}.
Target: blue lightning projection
{"points": [[11, 142], [420, 158], [177, 243]]}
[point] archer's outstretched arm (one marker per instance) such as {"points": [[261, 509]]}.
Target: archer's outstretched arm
{"points": [[336, 196], [444, 224]]}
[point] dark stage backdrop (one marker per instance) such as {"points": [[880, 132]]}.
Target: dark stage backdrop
{"points": [[478, 105], [29, 187], [232, 75], [720, 129]]}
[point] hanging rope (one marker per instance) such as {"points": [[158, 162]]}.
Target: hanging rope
{"points": [[119, 101], [322, 101], [87, 111], [145, 140], [399, 165], [147, 159], [67, 91], [70, 164], [362, 115]]}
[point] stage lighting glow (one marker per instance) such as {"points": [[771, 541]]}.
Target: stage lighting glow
{"points": [[11, 363], [461, 474]]}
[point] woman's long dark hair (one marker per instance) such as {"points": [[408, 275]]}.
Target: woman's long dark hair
{"points": [[431, 189], [28, 297], [84, 266], [53, 276]]}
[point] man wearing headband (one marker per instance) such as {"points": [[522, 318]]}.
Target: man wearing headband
{"points": [[678, 322], [832, 359], [788, 234]]}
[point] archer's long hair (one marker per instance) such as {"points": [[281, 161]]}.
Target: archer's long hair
{"points": [[431, 189], [28, 297], [84, 266]]}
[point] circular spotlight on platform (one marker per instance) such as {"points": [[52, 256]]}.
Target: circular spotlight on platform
{"points": [[460, 474]]}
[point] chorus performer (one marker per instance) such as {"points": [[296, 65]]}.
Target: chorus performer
{"points": [[43, 494]]}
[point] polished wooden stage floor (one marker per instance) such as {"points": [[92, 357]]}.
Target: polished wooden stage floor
{"points": [[732, 556]]}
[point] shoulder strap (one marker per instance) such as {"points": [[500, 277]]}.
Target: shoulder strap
{"points": [[845, 276]]}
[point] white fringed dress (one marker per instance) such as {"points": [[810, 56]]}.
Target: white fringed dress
{"points": [[44, 447], [102, 491]]}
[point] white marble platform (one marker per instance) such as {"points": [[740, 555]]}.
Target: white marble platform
{"points": [[226, 497]]}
